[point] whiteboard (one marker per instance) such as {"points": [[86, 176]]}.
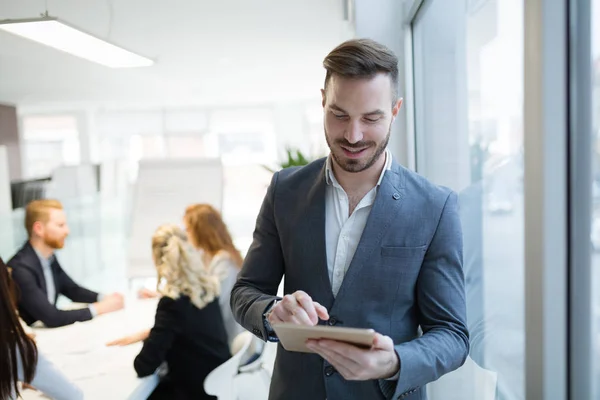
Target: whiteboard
{"points": [[163, 190]]}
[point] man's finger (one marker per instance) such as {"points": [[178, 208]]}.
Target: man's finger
{"points": [[274, 319], [347, 349], [300, 317], [348, 368], [289, 304], [283, 313], [321, 311], [383, 342], [293, 308], [280, 314], [306, 303]]}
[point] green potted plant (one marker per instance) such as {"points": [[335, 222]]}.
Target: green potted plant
{"points": [[294, 158]]}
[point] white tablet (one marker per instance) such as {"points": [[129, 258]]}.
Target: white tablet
{"points": [[293, 337]]}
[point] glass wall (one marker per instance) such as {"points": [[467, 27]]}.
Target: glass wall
{"points": [[468, 83]]}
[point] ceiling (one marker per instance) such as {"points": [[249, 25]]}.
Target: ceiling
{"points": [[207, 52]]}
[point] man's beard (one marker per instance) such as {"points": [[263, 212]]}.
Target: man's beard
{"points": [[354, 165], [54, 243]]}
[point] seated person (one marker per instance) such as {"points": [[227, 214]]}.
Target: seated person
{"points": [[188, 331], [19, 359], [208, 233], [40, 278]]}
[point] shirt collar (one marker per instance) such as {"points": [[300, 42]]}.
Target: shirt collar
{"points": [[44, 260], [330, 177]]}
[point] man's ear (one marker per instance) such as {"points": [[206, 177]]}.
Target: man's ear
{"points": [[323, 97], [38, 228], [397, 107]]}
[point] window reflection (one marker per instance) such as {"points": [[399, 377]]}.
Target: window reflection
{"points": [[469, 98]]}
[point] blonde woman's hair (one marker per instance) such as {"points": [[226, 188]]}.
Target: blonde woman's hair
{"points": [[180, 268]]}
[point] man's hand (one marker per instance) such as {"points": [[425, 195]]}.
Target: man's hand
{"points": [[144, 293], [27, 386], [358, 364], [297, 308], [130, 339], [110, 303]]}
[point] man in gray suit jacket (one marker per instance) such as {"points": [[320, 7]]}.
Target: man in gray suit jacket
{"points": [[362, 242]]}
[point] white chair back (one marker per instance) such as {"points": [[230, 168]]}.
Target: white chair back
{"points": [[469, 382], [221, 381]]}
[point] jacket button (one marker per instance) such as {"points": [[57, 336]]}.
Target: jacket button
{"points": [[256, 331], [329, 370], [395, 196], [332, 321]]}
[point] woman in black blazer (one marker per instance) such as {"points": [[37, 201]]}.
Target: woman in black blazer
{"points": [[188, 333]]}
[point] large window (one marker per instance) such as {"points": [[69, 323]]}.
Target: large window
{"points": [[595, 225], [49, 142], [468, 63]]}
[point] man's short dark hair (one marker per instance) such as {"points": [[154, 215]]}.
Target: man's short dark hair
{"points": [[362, 58]]}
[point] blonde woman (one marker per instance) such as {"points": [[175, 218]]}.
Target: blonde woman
{"points": [[209, 234], [188, 332]]}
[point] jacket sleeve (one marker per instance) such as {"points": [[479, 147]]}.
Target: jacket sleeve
{"points": [[167, 324], [72, 290], [440, 293], [261, 273], [34, 301]]}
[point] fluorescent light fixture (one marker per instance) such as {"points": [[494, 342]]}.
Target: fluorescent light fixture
{"points": [[54, 33]]}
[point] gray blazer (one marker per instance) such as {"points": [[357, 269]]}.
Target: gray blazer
{"points": [[406, 274]]}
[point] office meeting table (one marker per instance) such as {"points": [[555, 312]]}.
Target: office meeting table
{"points": [[80, 352]]}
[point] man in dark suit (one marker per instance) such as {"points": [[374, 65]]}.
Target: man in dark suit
{"points": [[40, 278], [362, 242]]}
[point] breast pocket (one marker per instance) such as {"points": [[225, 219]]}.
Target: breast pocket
{"points": [[403, 252]]}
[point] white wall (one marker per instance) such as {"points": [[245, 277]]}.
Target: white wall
{"points": [[382, 20]]}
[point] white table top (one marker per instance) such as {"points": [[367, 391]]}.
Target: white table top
{"points": [[80, 351]]}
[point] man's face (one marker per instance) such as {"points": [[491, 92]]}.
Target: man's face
{"points": [[358, 115], [55, 231]]}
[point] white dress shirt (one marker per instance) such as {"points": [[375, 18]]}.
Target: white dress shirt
{"points": [[48, 276], [343, 231]]}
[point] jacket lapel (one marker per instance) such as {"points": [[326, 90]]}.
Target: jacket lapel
{"points": [[36, 265], [313, 232], [385, 209]]}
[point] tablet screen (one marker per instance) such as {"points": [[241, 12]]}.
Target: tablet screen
{"points": [[293, 337]]}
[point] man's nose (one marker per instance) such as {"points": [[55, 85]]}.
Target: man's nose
{"points": [[353, 132]]}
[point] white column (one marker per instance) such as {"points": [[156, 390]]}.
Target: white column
{"points": [[546, 219], [89, 144]]}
